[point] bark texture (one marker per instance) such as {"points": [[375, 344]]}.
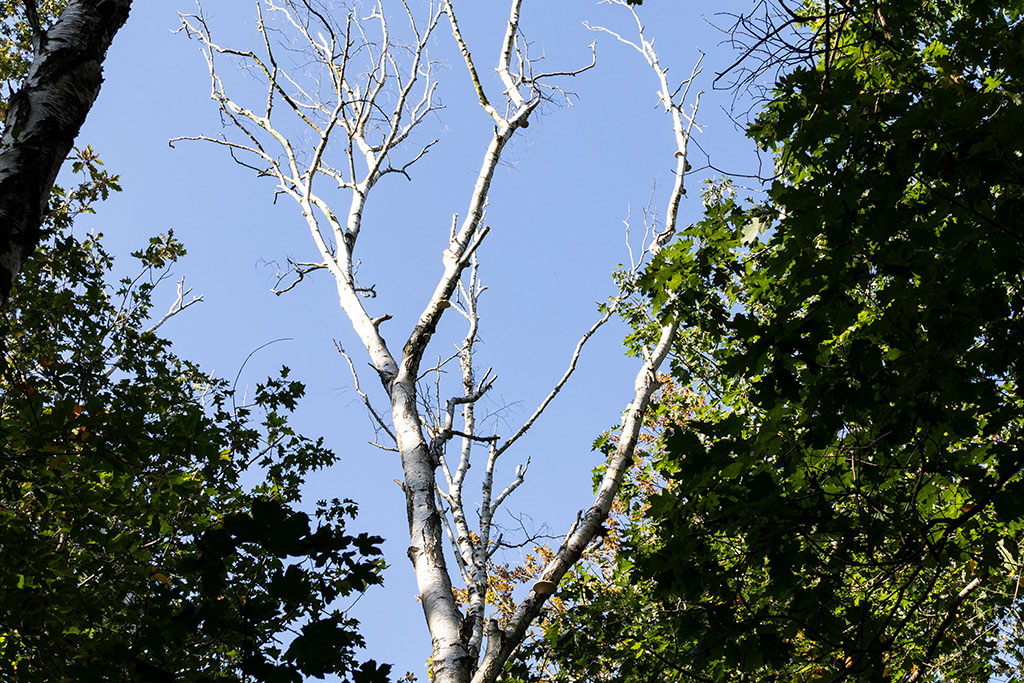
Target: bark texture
{"points": [[356, 126], [43, 120]]}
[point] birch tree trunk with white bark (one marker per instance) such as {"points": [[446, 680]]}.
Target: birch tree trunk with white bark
{"points": [[44, 116], [364, 117]]}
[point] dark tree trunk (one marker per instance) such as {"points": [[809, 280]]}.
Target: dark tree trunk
{"points": [[43, 119]]}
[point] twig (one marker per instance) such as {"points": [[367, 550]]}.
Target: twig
{"points": [[176, 307], [366, 399]]}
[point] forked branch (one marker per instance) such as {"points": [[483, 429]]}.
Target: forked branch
{"points": [[355, 114], [503, 641]]}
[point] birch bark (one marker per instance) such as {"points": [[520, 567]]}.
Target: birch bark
{"points": [[44, 117], [373, 112]]}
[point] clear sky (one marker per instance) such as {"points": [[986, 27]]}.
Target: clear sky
{"points": [[556, 212]]}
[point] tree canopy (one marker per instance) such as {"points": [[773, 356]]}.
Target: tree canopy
{"points": [[829, 484], [133, 547], [845, 500], [149, 523]]}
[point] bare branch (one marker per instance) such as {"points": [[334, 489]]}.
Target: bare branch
{"points": [[32, 16], [536, 78], [301, 270], [177, 306], [471, 437], [573, 360], [362, 394], [368, 96], [458, 545], [682, 122], [570, 551], [585, 530], [484, 102], [520, 477], [503, 69]]}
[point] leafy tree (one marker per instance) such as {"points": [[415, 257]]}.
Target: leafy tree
{"points": [[847, 506], [132, 548]]}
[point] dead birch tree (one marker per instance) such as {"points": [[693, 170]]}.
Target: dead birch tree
{"points": [[355, 121]]}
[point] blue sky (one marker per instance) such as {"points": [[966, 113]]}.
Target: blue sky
{"points": [[556, 212]]}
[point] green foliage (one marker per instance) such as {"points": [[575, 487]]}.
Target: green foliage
{"points": [[16, 40], [132, 548], [847, 505]]}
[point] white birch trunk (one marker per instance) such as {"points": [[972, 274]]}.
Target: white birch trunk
{"points": [[43, 120], [420, 439]]}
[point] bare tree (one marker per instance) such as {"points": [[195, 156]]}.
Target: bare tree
{"points": [[349, 124], [44, 116]]}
